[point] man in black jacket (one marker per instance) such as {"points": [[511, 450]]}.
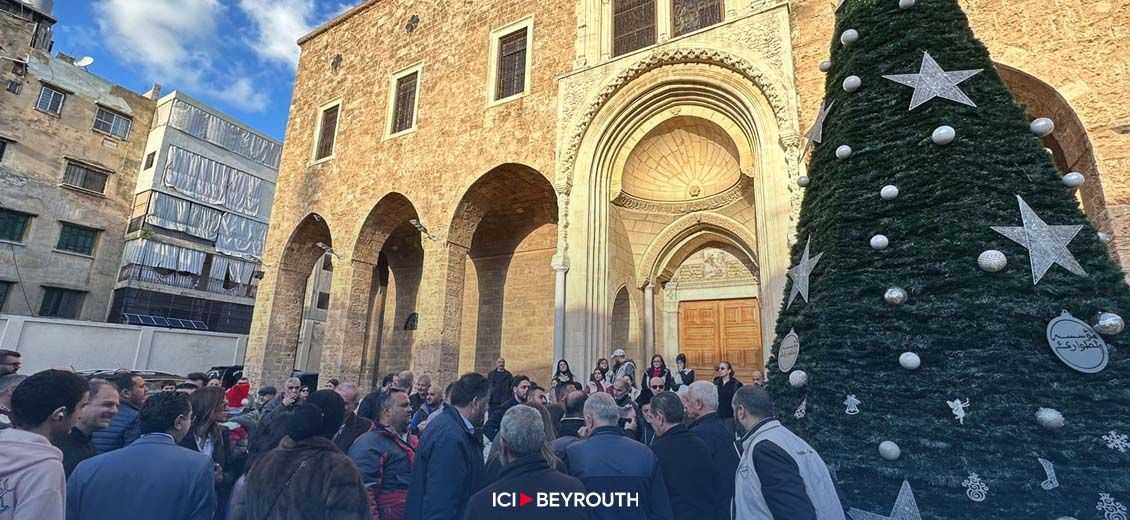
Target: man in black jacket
{"points": [[525, 473], [354, 425], [571, 424], [701, 402], [449, 460], [501, 380], [519, 392], [685, 460], [103, 406]]}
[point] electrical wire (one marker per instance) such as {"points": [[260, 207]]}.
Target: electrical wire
{"points": [[20, 280]]}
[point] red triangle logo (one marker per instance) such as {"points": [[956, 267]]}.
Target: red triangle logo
{"points": [[524, 499]]}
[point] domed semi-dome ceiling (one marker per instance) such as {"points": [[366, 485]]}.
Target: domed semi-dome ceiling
{"points": [[682, 159]]}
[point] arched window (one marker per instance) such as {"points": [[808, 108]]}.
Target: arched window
{"points": [[692, 15], [633, 25]]}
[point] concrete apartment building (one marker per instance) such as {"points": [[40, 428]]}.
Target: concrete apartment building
{"points": [[70, 148], [198, 222]]}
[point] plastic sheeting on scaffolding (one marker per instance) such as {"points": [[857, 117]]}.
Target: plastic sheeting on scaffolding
{"points": [[212, 181], [238, 270], [223, 133], [166, 256], [241, 237], [183, 215]]}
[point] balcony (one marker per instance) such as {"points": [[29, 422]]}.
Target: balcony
{"points": [[144, 273]]}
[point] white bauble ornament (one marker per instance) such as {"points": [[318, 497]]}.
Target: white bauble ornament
{"points": [[895, 296], [803, 181], [943, 135], [798, 378], [849, 36], [843, 152], [889, 450], [889, 192], [906, 4], [1104, 237], [910, 361], [1049, 151], [1109, 324], [992, 261], [1049, 418], [852, 83], [1073, 180], [1042, 127], [825, 66], [879, 242]]}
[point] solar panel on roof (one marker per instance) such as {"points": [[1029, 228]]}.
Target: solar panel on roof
{"points": [[146, 319], [161, 321], [176, 323], [199, 325]]}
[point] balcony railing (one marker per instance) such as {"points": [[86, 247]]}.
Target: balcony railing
{"points": [[144, 273]]}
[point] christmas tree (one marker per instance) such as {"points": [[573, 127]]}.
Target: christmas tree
{"points": [[936, 244]]}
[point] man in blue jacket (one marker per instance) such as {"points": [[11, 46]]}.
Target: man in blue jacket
{"points": [[701, 401], [151, 478], [125, 426], [610, 462], [449, 459]]}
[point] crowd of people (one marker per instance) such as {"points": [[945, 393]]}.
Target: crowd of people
{"points": [[680, 446]]}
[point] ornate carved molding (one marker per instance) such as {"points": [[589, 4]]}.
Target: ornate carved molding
{"points": [[676, 231], [682, 207], [773, 92]]}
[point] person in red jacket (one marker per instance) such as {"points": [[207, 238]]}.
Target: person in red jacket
{"points": [[385, 456]]}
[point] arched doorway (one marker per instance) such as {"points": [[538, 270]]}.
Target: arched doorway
{"points": [[273, 352], [388, 260], [507, 220]]}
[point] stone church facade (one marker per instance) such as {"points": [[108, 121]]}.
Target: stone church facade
{"points": [[546, 179]]}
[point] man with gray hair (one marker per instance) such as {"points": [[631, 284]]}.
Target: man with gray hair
{"points": [[780, 475], [404, 381], [685, 460], [610, 462], [417, 398], [701, 404], [8, 383], [525, 472], [287, 401]]}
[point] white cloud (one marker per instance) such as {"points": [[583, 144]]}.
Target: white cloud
{"points": [[179, 43], [279, 24]]}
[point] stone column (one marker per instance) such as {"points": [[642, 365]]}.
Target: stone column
{"points": [[273, 339], [649, 319], [347, 322], [440, 305], [560, 267]]}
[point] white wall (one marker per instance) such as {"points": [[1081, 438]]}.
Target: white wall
{"points": [[54, 343]]}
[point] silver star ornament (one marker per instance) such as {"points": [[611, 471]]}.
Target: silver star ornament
{"points": [[800, 274], [1047, 245], [931, 82], [816, 133], [905, 508]]}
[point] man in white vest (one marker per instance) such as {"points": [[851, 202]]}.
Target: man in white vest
{"points": [[779, 476]]}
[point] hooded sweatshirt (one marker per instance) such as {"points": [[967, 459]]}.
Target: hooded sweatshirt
{"points": [[32, 484]]}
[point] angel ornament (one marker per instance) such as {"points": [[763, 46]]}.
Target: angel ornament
{"points": [[958, 408], [852, 405]]}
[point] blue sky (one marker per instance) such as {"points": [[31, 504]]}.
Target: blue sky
{"points": [[237, 55]]}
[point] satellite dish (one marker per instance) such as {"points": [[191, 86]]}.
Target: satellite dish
{"points": [[84, 61]]}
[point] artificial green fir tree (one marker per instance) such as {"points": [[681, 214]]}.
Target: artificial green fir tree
{"points": [[901, 242]]}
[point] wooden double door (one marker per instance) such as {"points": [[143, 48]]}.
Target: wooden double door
{"points": [[711, 331]]}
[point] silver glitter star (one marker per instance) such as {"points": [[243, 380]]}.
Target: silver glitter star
{"points": [[1046, 244], [800, 274], [816, 133], [838, 5], [905, 508], [931, 82]]}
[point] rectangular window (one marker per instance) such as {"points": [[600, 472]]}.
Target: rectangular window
{"points": [[61, 303], [14, 87], [511, 64], [327, 263], [112, 123], [404, 106], [323, 300], [327, 132], [85, 177], [77, 239], [50, 100], [633, 25], [152, 156], [13, 225], [3, 148], [5, 288], [692, 15]]}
